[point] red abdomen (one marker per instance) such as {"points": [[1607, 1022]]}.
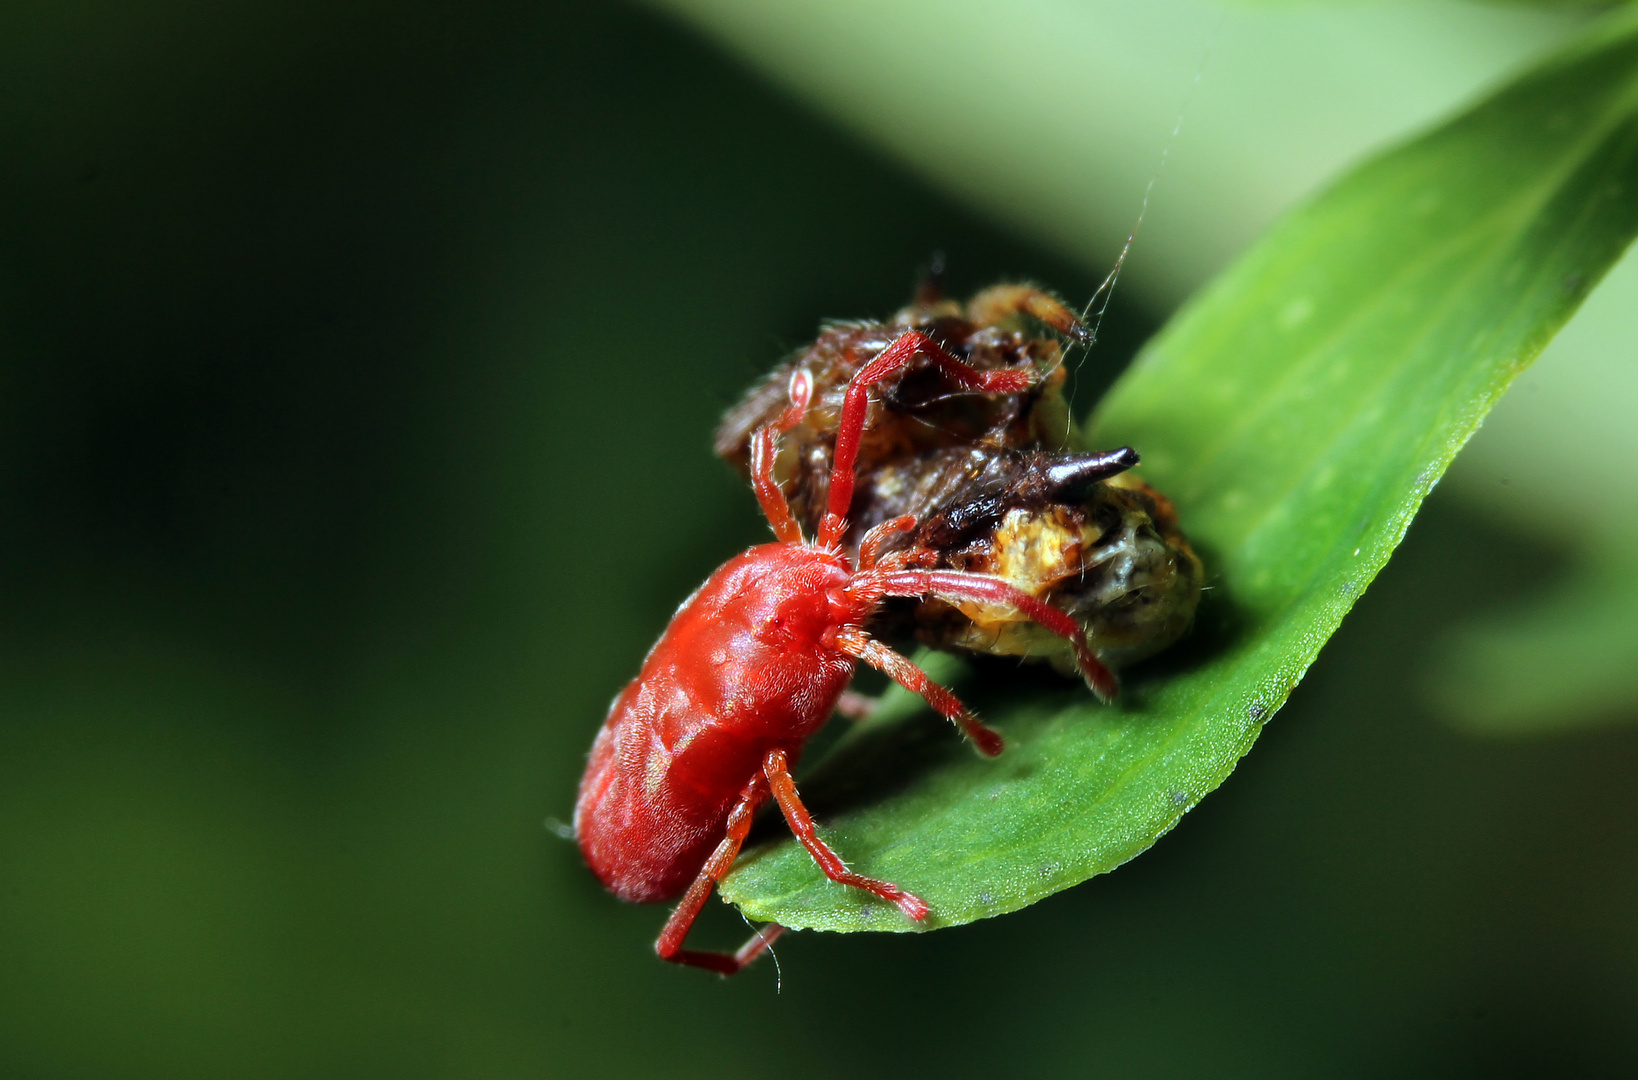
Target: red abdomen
{"points": [[738, 672]]}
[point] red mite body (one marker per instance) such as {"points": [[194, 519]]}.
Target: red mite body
{"points": [[753, 664], [715, 695]]}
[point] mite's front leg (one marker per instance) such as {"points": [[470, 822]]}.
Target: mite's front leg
{"points": [[955, 585], [856, 402]]}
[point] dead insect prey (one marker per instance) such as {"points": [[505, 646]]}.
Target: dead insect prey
{"points": [[998, 484]]}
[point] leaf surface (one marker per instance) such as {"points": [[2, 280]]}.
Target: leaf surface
{"points": [[1298, 412]]}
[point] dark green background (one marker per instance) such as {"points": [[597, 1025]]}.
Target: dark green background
{"points": [[357, 371]]}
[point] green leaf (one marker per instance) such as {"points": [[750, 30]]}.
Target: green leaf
{"points": [[1298, 412], [1565, 662], [1558, 652]]}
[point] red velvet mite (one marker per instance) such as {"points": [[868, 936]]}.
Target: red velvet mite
{"points": [[755, 662]]}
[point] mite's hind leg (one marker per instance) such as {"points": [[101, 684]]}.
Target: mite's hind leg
{"points": [[1000, 301], [902, 670], [776, 767], [669, 944]]}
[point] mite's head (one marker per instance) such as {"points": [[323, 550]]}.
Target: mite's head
{"points": [[792, 609]]}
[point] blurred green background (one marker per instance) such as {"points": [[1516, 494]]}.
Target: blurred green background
{"points": [[357, 371]]}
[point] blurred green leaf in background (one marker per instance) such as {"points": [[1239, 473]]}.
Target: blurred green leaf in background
{"points": [[1556, 463], [357, 370]]}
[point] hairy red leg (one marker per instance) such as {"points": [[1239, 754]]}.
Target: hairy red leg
{"points": [[856, 402], [669, 943], [955, 585], [870, 548], [999, 301], [768, 493], [903, 671], [776, 767]]}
